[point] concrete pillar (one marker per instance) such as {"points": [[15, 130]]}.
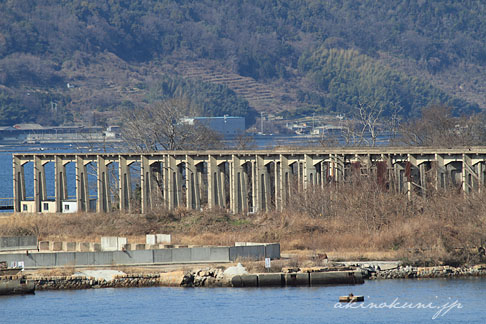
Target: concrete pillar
{"points": [[244, 187], [60, 183], [340, 167], [124, 184], [319, 174], [199, 184], [324, 173], [213, 175], [390, 170], [399, 178], [299, 169], [179, 184], [255, 185], [18, 183], [216, 183], [267, 192], [412, 162], [440, 182], [82, 192], [336, 166], [261, 185], [232, 186], [40, 193], [469, 175], [423, 179], [475, 177], [165, 181], [409, 189], [480, 170], [236, 179], [155, 178], [464, 174], [191, 184], [309, 173], [276, 184], [221, 185], [145, 184], [284, 178], [103, 204], [453, 170], [174, 183]]}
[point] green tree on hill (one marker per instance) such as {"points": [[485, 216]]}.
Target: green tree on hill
{"points": [[349, 77]]}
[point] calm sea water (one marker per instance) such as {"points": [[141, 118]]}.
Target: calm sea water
{"points": [[6, 183], [272, 305]]}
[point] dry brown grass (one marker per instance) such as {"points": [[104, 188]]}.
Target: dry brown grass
{"points": [[361, 221], [60, 271]]}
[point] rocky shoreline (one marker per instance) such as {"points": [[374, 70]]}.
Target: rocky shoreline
{"points": [[82, 282], [218, 277], [409, 272]]}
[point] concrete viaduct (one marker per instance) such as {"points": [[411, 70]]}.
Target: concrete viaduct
{"points": [[240, 181]]}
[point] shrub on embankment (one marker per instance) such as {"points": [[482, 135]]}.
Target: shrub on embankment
{"points": [[442, 226]]}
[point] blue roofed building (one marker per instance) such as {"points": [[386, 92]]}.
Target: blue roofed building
{"points": [[228, 126]]}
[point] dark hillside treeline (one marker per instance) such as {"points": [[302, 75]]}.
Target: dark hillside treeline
{"points": [[255, 34], [205, 99], [350, 78], [263, 39]]}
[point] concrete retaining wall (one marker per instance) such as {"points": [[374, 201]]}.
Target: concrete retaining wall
{"points": [[112, 243], [255, 252], [18, 243], [106, 258]]}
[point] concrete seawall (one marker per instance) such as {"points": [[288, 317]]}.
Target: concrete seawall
{"points": [[142, 257], [177, 279], [298, 279], [14, 285]]}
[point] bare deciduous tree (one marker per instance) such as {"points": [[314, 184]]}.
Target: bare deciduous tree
{"points": [[369, 116], [366, 125], [438, 127], [165, 125], [244, 142]]}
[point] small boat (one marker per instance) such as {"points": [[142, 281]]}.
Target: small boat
{"points": [[351, 299]]}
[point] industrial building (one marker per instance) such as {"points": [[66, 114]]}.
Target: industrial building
{"points": [[228, 126]]}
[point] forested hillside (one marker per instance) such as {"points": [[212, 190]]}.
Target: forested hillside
{"points": [[90, 58]]}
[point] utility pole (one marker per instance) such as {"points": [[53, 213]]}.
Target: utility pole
{"points": [[261, 121]]}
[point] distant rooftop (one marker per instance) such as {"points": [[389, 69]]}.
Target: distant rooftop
{"points": [[218, 117], [28, 126]]}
